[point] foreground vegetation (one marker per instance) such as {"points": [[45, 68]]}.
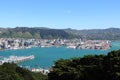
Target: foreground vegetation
{"points": [[90, 67], [13, 72]]}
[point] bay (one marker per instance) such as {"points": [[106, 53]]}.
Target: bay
{"points": [[45, 57]]}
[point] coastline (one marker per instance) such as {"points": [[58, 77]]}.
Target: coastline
{"points": [[45, 57]]}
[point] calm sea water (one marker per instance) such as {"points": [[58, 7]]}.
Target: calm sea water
{"points": [[45, 57]]}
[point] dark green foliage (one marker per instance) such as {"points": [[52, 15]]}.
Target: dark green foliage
{"points": [[27, 35], [36, 35], [90, 67], [10, 71]]}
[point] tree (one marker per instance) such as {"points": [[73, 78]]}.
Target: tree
{"points": [[27, 35], [90, 67], [10, 71], [20, 34], [37, 35]]}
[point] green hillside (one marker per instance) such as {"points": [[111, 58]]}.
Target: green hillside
{"points": [[97, 34], [47, 33], [24, 32]]}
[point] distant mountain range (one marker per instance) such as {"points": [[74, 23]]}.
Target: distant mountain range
{"points": [[97, 34], [42, 32]]}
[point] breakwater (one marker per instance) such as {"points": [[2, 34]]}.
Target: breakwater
{"points": [[16, 59]]}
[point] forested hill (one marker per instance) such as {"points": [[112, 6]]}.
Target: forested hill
{"points": [[42, 32], [24, 32], [97, 34]]}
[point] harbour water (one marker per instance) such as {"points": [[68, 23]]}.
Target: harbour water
{"points": [[45, 57]]}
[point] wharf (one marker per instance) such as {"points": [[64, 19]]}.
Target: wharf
{"points": [[16, 59]]}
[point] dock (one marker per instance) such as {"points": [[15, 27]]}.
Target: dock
{"points": [[16, 59]]}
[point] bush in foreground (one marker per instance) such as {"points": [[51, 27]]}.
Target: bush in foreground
{"points": [[90, 67], [10, 71]]}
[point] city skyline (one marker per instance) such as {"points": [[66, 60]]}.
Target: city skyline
{"points": [[60, 14]]}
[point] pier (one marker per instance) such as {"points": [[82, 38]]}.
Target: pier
{"points": [[16, 59]]}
